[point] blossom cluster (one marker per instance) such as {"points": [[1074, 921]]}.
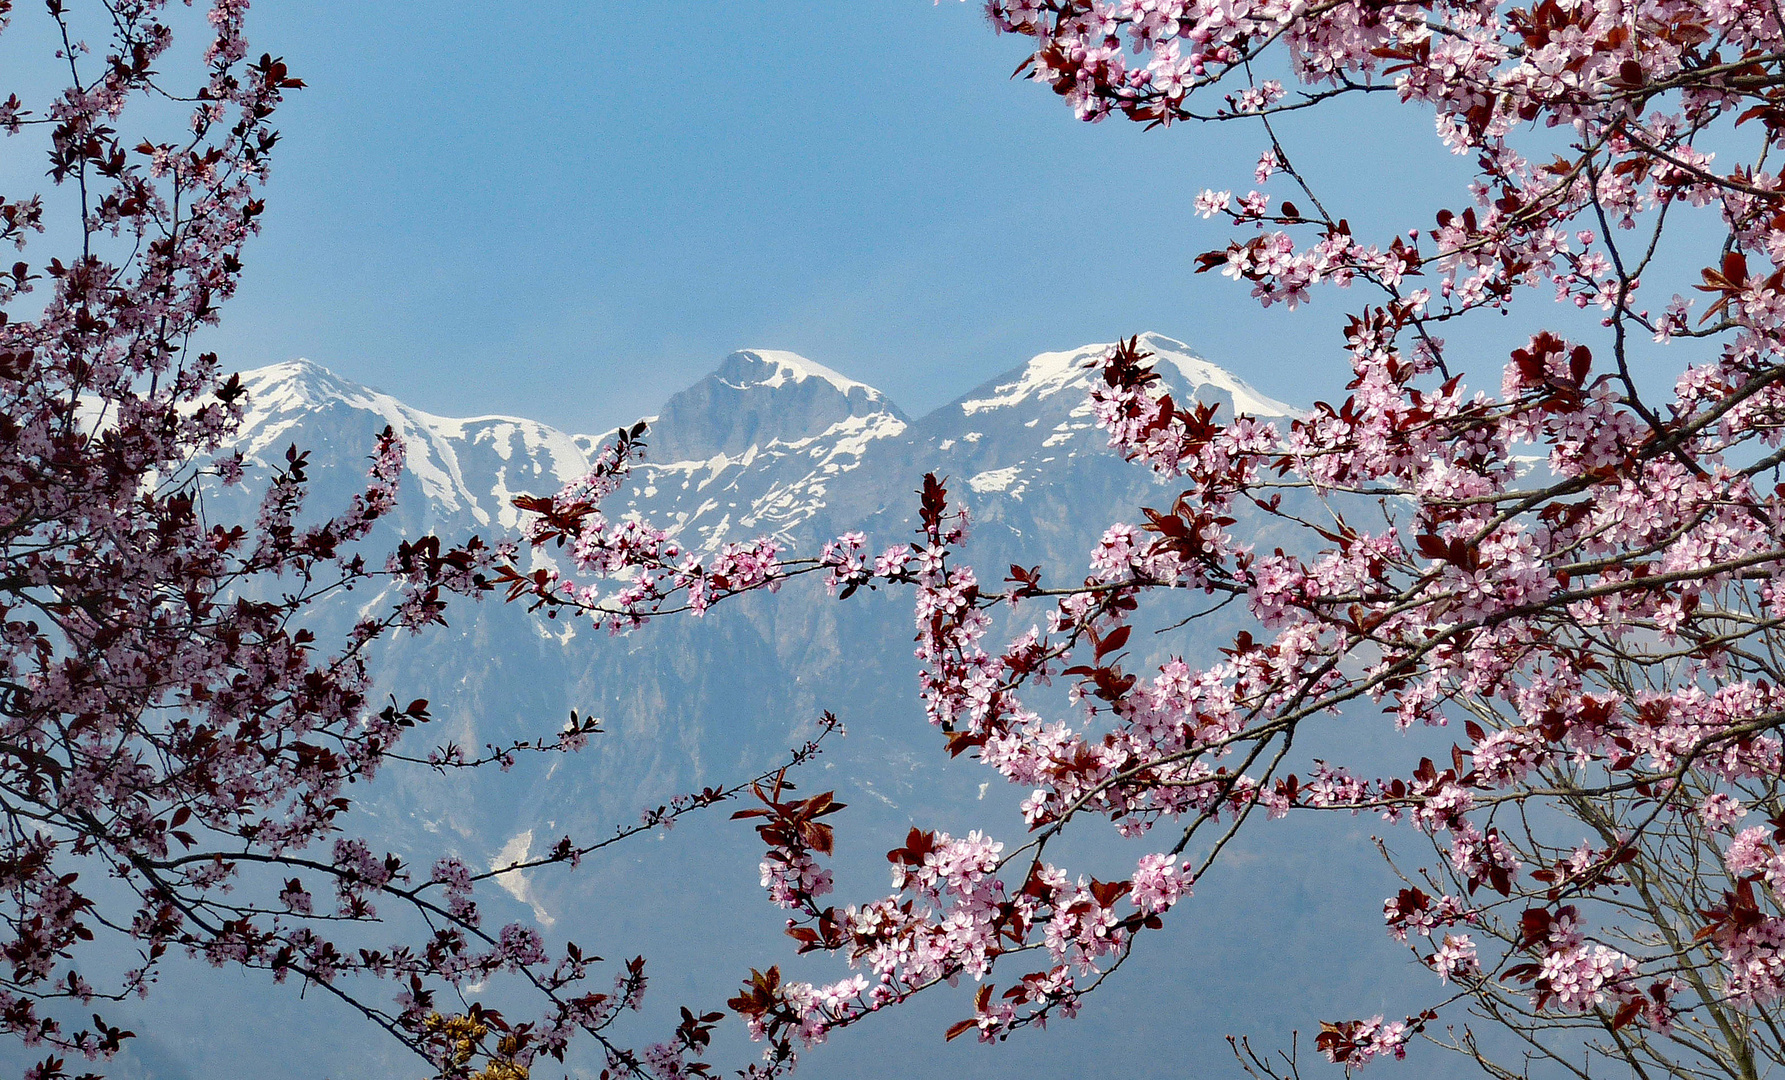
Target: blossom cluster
{"points": [[1579, 568]]}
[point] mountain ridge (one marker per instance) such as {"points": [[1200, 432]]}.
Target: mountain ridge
{"points": [[756, 446]]}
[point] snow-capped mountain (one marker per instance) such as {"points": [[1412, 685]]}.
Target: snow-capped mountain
{"points": [[769, 443], [1025, 454], [755, 448], [466, 472], [759, 397]]}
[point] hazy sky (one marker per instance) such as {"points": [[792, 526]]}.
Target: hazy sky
{"points": [[569, 211]]}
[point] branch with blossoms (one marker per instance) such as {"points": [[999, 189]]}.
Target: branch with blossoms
{"points": [[625, 572], [450, 756], [171, 722], [1154, 763], [1584, 575], [1551, 621], [472, 1040], [1150, 60], [223, 894]]}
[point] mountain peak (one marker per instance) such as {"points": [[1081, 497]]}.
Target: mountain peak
{"points": [[294, 384], [759, 396], [1049, 373], [471, 464], [775, 368], [1199, 372]]}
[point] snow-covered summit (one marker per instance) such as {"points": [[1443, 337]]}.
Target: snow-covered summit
{"points": [[757, 397], [747, 367], [300, 385], [465, 465], [1200, 373], [751, 448], [1028, 437], [755, 446], [1050, 373], [292, 385]]}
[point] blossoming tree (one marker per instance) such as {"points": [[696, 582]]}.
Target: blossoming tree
{"points": [[178, 749], [1564, 583]]}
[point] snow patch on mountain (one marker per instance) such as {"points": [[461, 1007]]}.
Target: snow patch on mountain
{"points": [[516, 883], [997, 480]]}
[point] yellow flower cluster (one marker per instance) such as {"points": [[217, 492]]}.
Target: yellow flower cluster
{"points": [[464, 1034]]}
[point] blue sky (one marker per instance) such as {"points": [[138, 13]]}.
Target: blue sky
{"points": [[569, 211]]}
